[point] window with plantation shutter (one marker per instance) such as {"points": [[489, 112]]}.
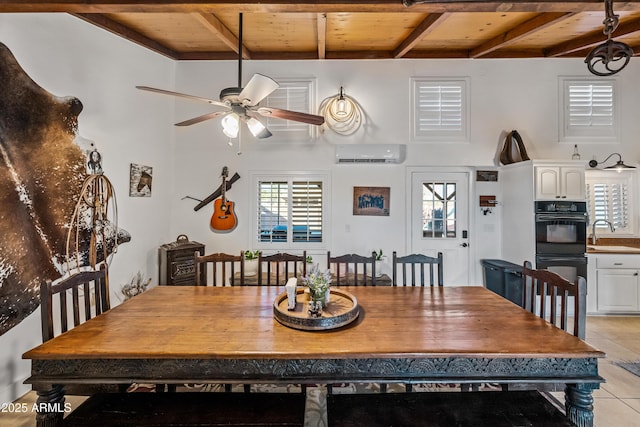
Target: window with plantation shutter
{"points": [[440, 110], [588, 110], [290, 211], [294, 95], [609, 197]]}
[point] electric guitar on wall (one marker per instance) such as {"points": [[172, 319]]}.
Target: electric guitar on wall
{"points": [[224, 218]]}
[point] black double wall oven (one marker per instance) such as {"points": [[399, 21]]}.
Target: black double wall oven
{"points": [[561, 237]]}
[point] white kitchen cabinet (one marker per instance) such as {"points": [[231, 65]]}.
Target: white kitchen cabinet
{"points": [[615, 288], [560, 182]]}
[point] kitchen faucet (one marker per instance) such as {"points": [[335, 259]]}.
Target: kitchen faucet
{"points": [[594, 238]]}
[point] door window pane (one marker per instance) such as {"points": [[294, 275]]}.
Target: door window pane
{"points": [[439, 218]]}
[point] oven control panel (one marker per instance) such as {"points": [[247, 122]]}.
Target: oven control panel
{"points": [[563, 206]]}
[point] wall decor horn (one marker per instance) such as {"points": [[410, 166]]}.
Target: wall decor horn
{"points": [[610, 57], [513, 149]]}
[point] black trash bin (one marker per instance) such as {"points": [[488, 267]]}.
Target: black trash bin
{"points": [[504, 278]]}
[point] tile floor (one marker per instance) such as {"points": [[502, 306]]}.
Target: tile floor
{"points": [[616, 403]]}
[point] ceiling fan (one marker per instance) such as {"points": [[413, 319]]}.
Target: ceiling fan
{"points": [[241, 104]]}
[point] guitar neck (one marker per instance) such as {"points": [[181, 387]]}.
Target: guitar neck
{"points": [[217, 193]]}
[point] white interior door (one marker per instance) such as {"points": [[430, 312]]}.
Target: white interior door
{"points": [[440, 219]]}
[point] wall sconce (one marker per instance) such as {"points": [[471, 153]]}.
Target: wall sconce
{"points": [[619, 166], [342, 114]]}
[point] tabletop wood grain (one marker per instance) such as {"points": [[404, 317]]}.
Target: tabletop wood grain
{"points": [[237, 322]]}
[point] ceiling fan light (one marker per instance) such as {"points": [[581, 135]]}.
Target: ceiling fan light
{"points": [[230, 125], [256, 128]]}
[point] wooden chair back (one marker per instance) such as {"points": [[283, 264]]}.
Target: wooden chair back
{"points": [[412, 269], [73, 300], [223, 268], [276, 269], [547, 295], [353, 269]]}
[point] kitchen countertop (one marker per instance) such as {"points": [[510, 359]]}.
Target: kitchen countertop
{"points": [[608, 245]]}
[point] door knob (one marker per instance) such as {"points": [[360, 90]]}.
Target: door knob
{"points": [[464, 245]]}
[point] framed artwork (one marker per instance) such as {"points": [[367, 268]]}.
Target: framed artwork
{"points": [[140, 178], [491, 176], [371, 201]]}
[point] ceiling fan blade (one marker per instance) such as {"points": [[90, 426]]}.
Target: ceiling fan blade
{"points": [[296, 116], [202, 118], [182, 95], [258, 88]]}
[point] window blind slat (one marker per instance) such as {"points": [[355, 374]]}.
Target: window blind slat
{"points": [[299, 213], [609, 201], [589, 109], [439, 109]]}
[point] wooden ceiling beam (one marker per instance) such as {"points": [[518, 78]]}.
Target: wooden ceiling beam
{"points": [[293, 6], [213, 24], [523, 30], [592, 39], [321, 19], [430, 23], [127, 33]]}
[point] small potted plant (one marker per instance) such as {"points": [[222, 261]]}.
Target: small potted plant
{"points": [[318, 283], [251, 262], [378, 256]]}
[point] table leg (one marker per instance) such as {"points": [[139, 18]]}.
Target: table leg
{"points": [[50, 406], [579, 403]]}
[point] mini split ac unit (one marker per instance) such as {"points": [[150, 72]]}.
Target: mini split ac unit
{"points": [[370, 153]]}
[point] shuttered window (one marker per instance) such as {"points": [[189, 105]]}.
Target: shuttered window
{"points": [[609, 197], [589, 110], [290, 211], [294, 95], [440, 110]]}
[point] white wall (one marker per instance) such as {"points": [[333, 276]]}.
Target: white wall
{"points": [[504, 94], [69, 57]]}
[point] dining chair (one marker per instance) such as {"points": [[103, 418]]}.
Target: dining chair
{"points": [[353, 269], [417, 270], [551, 297], [276, 269], [412, 269], [72, 301], [223, 267]]}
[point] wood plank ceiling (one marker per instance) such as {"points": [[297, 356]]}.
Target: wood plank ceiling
{"points": [[353, 29]]}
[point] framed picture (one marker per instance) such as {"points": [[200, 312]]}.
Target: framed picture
{"points": [[490, 176], [140, 178], [371, 201]]}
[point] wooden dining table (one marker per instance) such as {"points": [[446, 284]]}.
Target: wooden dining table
{"points": [[184, 334]]}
